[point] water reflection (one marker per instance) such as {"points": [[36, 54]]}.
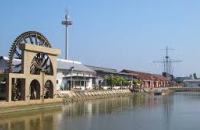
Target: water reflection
{"points": [[167, 111], [109, 106], [93, 108], [139, 112], [49, 120], [34, 121]]}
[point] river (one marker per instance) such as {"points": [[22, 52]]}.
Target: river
{"points": [[178, 111]]}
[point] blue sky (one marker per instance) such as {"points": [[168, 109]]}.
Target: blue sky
{"points": [[111, 33]]}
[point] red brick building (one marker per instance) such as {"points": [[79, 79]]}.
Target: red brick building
{"points": [[148, 80]]}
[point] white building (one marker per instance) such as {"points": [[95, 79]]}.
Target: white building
{"points": [[191, 82], [73, 74], [70, 74]]}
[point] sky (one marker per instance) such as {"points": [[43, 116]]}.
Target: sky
{"points": [[120, 34]]}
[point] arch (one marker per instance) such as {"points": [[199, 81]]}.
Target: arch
{"points": [[48, 89], [34, 90], [41, 62]]}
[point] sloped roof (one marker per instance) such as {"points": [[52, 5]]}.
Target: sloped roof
{"points": [[102, 69], [5, 59], [77, 66], [144, 75], [4, 63], [62, 65]]}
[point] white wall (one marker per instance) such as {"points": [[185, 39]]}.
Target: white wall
{"points": [[59, 79], [60, 76], [89, 84]]}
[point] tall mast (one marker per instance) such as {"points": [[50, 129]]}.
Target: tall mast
{"points": [[66, 23], [167, 61]]}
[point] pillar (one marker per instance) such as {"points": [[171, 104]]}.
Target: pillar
{"points": [[27, 89], [9, 89]]}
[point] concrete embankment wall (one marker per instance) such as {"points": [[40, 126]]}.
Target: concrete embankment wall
{"points": [[64, 97], [185, 89], [24, 106], [74, 96], [4, 104]]}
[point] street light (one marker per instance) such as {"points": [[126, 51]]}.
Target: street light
{"points": [[66, 23]]}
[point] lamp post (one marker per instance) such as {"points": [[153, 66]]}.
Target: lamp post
{"points": [[66, 23]]}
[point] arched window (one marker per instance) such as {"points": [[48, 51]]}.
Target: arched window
{"points": [[48, 89], [35, 90]]}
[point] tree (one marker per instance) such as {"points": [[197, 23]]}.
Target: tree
{"points": [[117, 81], [137, 83]]}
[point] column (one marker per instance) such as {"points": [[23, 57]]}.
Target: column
{"points": [[9, 89]]}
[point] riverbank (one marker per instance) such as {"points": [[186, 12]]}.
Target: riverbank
{"points": [[67, 97], [63, 98], [74, 96]]}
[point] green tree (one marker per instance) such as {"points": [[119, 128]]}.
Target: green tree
{"points": [[137, 83], [117, 81]]}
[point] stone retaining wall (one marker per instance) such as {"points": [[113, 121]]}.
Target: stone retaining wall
{"points": [[63, 97], [4, 104], [73, 96], [185, 89]]}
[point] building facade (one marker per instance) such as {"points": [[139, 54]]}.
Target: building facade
{"points": [[148, 80], [70, 74], [74, 75], [104, 75], [191, 82]]}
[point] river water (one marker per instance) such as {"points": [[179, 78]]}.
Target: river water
{"points": [[179, 111]]}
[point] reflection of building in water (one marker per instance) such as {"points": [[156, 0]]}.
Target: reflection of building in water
{"points": [[92, 109], [40, 121], [98, 107]]}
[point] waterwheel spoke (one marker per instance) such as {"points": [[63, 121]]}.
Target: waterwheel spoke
{"points": [[17, 65], [32, 68], [25, 41], [36, 41], [48, 66], [45, 62], [31, 40], [18, 54]]}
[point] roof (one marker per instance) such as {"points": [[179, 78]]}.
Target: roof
{"points": [[77, 66], [102, 69], [191, 80], [62, 64], [4, 64], [181, 79], [144, 75], [5, 59]]}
